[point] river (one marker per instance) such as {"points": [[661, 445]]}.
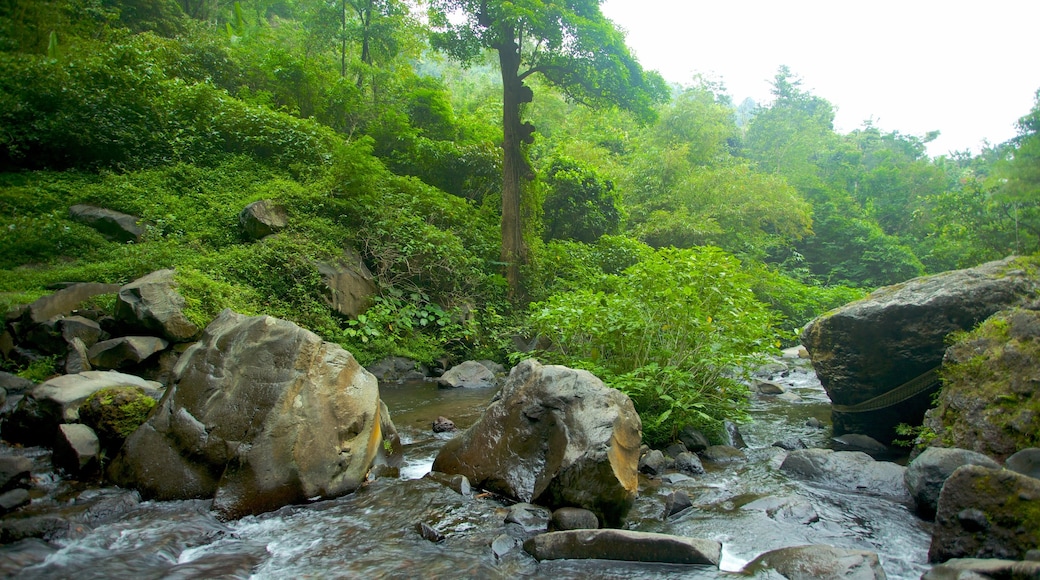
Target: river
{"points": [[751, 507]]}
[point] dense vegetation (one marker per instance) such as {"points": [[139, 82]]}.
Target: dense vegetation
{"points": [[664, 240]]}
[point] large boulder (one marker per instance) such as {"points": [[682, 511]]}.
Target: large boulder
{"points": [[261, 413], [152, 303], [990, 402], [36, 419], [852, 471], [262, 218], [557, 437], [350, 283], [986, 513], [819, 562], [927, 473], [624, 545], [124, 352], [113, 225], [470, 374], [865, 351]]}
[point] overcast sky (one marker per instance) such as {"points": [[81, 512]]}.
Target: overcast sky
{"points": [[969, 70]]}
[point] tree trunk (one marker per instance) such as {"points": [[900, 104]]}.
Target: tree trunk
{"points": [[514, 166]]}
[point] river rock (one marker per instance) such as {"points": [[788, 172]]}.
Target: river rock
{"points": [[350, 283], [860, 442], [927, 473], [470, 375], [531, 518], [14, 384], [261, 413], [655, 462], [723, 454], [733, 436], [557, 437], [676, 502], [77, 359], [847, 471], [986, 513], [262, 218], [693, 439], [570, 518], [114, 413], [897, 333], [85, 329], [152, 303], [819, 562], [764, 387], [444, 425], [791, 509], [689, 463], [76, 449], [1026, 462], [397, 369], [982, 569], [113, 225], [624, 545], [36, 418], [14, 472], [125, 351], [14, 499]]}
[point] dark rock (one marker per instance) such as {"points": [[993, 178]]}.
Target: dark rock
{"points": [[791, 444], [847, 471], [1026, 462], [18, 556], [790, 509], [444, 425], [15, 472], [531, 518], [569, 518], [14, 499], [814, 423], [504, 544], [897, 333], [986, 513], [85, 329], [723, 454], [458, 483], [819, 562], [124, 352], [429, 533], [674, 478], [764, 387], [688, 462], [675, 449], [733, 436], [927, 473], [693, 439], [76, 450], [624, 545], [350, 284], [398, 369], [655, 463], [983, 569], [555, 436], [676, 502], [77, 360], [14, 384], [469, 374], [152, 303], [46, 337], [113, 225], [65, 301], [115, 413], [859, 442], [311, 431], [262, 218]]}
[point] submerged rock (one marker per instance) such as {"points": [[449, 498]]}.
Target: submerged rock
{"points": [[556, 437], [624, 545], [819, 562], [847, 471]]}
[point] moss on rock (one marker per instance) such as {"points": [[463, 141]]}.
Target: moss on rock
{"points": [[114, 413]]}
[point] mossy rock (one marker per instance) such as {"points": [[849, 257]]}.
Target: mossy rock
{"points": [[114, 413]]}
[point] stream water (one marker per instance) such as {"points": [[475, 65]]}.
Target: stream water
{"points": [[751, 507]]}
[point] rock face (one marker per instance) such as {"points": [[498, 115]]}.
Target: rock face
{"points": [[848, 471], [623, 545], [986, 513], [927, 473], [152, 303], [819, 563], [113, 225], [470, 375], [350, 283], [872, 346], [991, 399], [262, 218], [557, 437], [261, 414]]}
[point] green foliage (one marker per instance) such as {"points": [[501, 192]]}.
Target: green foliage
{"points": [[797, 302], [685, 317], [40, 369], [580, 205]]}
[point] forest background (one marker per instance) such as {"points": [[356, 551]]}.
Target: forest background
{"points": [[667, 236]]}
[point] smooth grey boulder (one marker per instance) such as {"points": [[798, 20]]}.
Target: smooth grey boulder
{"points": [[113, 225], [14, 384], [556, 437], [791, 509], [897, 333], [350, 283], [397, 369], [655, 462], [469, 375], [982, 569], [261, 414], [262, 218], [675, 502], [76, 449], [819, 562], [85, 329], [624, 545], [1026, 462], [152, 303], [986, 513], [36, 418], [570, 518], [688, 462], [693, 439], [65, 301], [125, 351], [848, 471], [531, 518], [927, 473]]}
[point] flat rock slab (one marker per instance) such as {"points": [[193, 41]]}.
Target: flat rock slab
{"points": [[624, 545], [819, 563]]}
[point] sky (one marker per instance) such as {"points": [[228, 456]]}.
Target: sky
{"points": [[967, 69]]}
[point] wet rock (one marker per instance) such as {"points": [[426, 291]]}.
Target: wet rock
{"points": [[470, 375], [113, 225], [153, 304], [723, 454], [36, 418], [349, 282], [897, 333], [14, 499], [655, 463], [847, 471], [819, 563], [429, 533], [76, 450], [623, 545], [676, 502], [115, 413], [927, 473], [791, 444], [262, 218], [504, 544], [262, 413], [982, 569], [569, 518], [124, 352], [693, 439], [986, 513], [814, 423], [15, 472], [17, 556], [674, 478], [689, 463], [532, 519], [675, 449], [458, 483], [1026, 462], [764, 387], [791, 509], [555, 436], [397, 369], [859, 442], [733, 435], [444, 425]]}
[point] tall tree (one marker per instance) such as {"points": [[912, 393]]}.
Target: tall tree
{"points": [[572, 45]]}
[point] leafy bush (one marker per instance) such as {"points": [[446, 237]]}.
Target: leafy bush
{"points": [[580, 205]]}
